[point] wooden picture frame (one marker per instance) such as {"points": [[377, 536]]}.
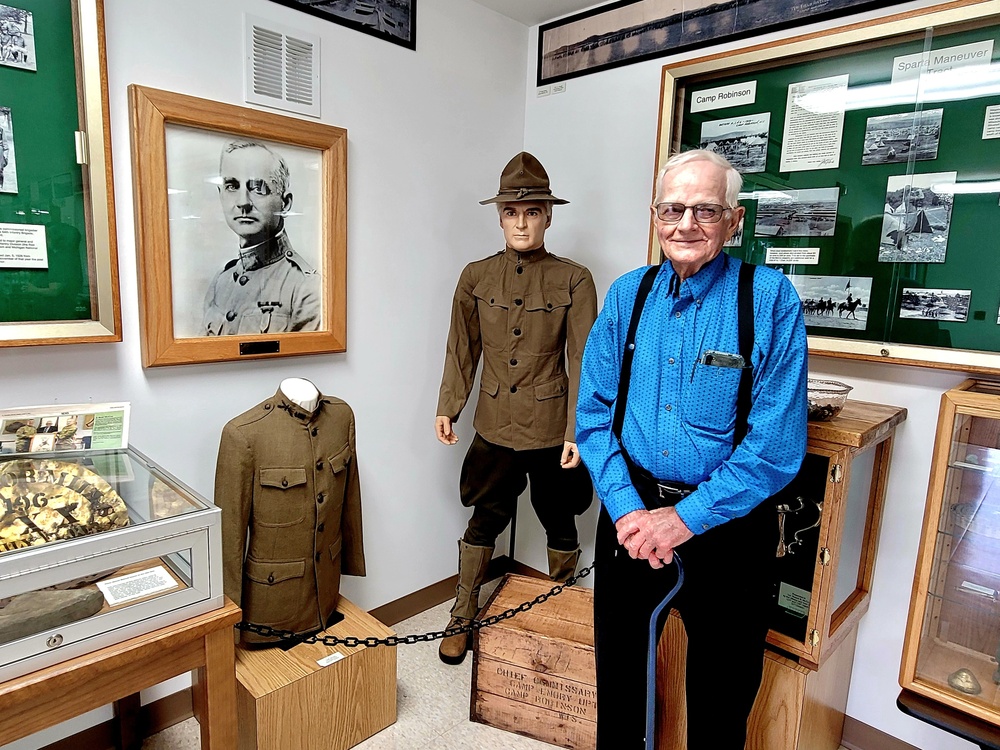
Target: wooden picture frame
{"points": [[389, 20], [963, 168], [630, 31], [201, 303], [66, 189]]}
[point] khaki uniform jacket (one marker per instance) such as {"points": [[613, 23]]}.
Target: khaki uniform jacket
{"points": [[287, 484], [528, 315], [268, 289]]}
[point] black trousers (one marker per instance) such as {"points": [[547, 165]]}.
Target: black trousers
{"points": [[494, 476], [725, 603]]}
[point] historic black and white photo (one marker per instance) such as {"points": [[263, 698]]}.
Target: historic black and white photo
{"points": [[8, 164], [244, 235], [17, 38], [916, 218], [742, 140], [797, 213], [899, 138], [392, 20], [935, 304], [834, 301]]}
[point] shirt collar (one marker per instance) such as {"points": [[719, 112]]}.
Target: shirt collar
{"points": [[531, 256], [294, 410], [696, 286], [265, 253]]}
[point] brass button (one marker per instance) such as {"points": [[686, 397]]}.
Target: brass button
{"points": [[284, 482], [270, 578], [517, 331], [548, 305], [519, 302], [513, 362], [320, 497], [319, 465], [513, 389], [520, 269]]}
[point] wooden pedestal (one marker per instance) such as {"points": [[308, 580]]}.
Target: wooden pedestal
{"points": [[796, 708], [534, 673], [286, 700]]}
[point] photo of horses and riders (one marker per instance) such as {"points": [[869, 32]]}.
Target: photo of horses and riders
{"points": [[917, 218], [834, 301]]}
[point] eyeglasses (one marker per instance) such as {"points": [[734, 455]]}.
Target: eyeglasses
{"points": [[703, 213]]}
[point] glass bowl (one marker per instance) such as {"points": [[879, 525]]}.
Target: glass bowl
{"points": [[826, 399]]}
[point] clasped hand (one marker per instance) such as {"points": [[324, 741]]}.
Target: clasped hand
{"points": [[652, 535]]}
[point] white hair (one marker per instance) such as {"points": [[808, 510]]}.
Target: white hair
{"points": [[734, 180]]}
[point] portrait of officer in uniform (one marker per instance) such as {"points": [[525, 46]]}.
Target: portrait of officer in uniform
{"points": [[267, 287]]}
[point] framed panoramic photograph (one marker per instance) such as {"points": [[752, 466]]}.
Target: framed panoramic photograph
{"points": [[392, 20], [876, 182], [241, 231], [629, 31]]}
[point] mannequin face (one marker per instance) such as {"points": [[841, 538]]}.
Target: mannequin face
{"points": [[524, 225]]}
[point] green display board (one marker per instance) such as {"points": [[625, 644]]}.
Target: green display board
{"points": [[908, 220], [43, 118]]}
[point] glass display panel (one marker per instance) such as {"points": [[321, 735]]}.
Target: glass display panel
{"points": [[961, 628], [852, 536]]}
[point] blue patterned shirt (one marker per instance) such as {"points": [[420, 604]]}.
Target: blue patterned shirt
{"points": [[681, 413]]}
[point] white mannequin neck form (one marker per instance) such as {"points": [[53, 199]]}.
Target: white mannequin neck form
{"points": [[301, 392]]}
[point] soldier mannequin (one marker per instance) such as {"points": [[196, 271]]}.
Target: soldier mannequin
{"points": [[528, 314]]}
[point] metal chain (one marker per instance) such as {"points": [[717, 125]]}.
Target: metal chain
{"points": [[393, 640]]}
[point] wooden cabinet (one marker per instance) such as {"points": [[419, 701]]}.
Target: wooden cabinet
{"points": [[953, 633], [832, 513]]}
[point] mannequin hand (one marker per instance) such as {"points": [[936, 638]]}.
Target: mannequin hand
{"points": [[442, 426], [570, 456]]}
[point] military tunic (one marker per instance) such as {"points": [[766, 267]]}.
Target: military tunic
{"points": [[290, 478], [528, 316], [268, 289]]}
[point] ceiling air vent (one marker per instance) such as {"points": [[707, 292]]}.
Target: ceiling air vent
{"points": [[282, 67]]}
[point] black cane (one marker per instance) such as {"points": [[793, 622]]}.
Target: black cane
{"points": [[655, 627]]}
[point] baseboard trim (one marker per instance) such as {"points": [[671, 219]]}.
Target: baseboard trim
{"points": [[433, 595], [860, 736]]}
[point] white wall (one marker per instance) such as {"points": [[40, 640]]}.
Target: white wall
{"points": [[429, 132], [598, 139]]}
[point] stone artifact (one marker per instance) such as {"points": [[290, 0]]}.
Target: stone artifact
{"points": [[965, 682], [45, 500], [38, 611]]}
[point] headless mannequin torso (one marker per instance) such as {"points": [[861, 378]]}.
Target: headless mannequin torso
{"points": [[302, 392]]}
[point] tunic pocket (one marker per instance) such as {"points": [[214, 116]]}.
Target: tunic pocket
{"points": [[544, 331], [272, 591], [274, 505]]}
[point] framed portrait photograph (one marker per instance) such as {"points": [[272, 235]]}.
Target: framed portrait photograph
{"points": [[241, 231], [391, 20]]}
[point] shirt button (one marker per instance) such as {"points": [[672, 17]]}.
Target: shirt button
{"points": [[320, 527], [705, 526], [670, 361], [666, 453], [319, 465], [669, 407], [519, 302], [517, 331], [520, 270], [513, 362], [677, 314], [230, 316], [513, 389], [320, 497]]}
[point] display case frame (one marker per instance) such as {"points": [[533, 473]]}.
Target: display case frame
{"points": [[94, 222], [186, 543], [951, 343], [953, 607]]}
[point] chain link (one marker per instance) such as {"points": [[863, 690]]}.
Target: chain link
{"points": [[407, 640]]}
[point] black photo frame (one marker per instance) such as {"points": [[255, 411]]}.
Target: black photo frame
{"points": [[390, 20]]}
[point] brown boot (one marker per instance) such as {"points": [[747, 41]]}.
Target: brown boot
{"points": [[473, 563], [562, 564]]}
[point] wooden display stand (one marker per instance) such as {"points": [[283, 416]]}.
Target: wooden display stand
{"points": [[534, 673], [285, 699], [204, 643]]}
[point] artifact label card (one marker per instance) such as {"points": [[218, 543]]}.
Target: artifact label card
{"points": [[23, 246], [991, 123], [724, 96], [814, 124], [806, 256], [136, 585], [793, 599]]}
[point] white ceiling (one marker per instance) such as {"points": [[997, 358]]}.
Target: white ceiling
{"points": [[531, 12]]}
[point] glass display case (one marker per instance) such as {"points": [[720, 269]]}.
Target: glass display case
{"points": [[953, 634], [95, 549]]}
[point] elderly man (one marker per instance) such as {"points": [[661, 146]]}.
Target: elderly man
{"points": [[268, 287], [527, 313], [686, 458]]}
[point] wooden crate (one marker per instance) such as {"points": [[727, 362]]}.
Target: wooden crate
{"points": [[285, 699], [534, 673]]}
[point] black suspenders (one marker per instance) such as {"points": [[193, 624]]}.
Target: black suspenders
{"points": [[745, 323]]}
